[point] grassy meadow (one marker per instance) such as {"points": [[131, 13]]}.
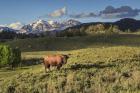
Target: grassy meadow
{"points": [[98, 64]]}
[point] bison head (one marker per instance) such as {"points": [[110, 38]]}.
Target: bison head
{"points": [[65, 58]]}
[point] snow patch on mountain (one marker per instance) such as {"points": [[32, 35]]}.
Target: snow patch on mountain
{"points": [[43, 26]]}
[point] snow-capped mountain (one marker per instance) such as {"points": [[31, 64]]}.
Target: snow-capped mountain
{"points": [[71, 23], [42, 26], [55, 25], [36, 27]]}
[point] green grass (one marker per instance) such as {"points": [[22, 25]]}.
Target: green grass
{"points": [[7, 73], [74, 43], [108, 66]]}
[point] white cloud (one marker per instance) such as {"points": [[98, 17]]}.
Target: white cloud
{"points": [[58, 13], [16, 25]]}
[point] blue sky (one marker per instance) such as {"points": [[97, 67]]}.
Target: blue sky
{"points": [[26, 11]]}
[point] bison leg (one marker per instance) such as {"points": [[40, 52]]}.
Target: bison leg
{"points": [[59, 66], [47, 67]]}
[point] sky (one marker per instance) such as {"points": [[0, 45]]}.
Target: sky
{"points": [[15, 12]]}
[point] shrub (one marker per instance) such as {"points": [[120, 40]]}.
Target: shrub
{"points": [[9, 57], [16, 57]]}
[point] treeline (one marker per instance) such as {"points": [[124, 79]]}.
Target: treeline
{"points": [[9, 35]]}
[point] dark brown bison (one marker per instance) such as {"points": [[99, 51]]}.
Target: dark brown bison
{"points": [[55, 60]]}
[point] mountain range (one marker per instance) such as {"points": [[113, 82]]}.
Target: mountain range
{"points": [[126, 24], [122, 24], [41, 26]]}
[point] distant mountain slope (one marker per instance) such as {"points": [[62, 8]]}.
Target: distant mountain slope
{"points": [[128, 23], [7, 29], [123, 25]]}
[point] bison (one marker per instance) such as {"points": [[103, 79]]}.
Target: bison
{"points": [[54, 60]]}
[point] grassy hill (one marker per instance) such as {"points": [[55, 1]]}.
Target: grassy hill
{"points": [[98, 64]]}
